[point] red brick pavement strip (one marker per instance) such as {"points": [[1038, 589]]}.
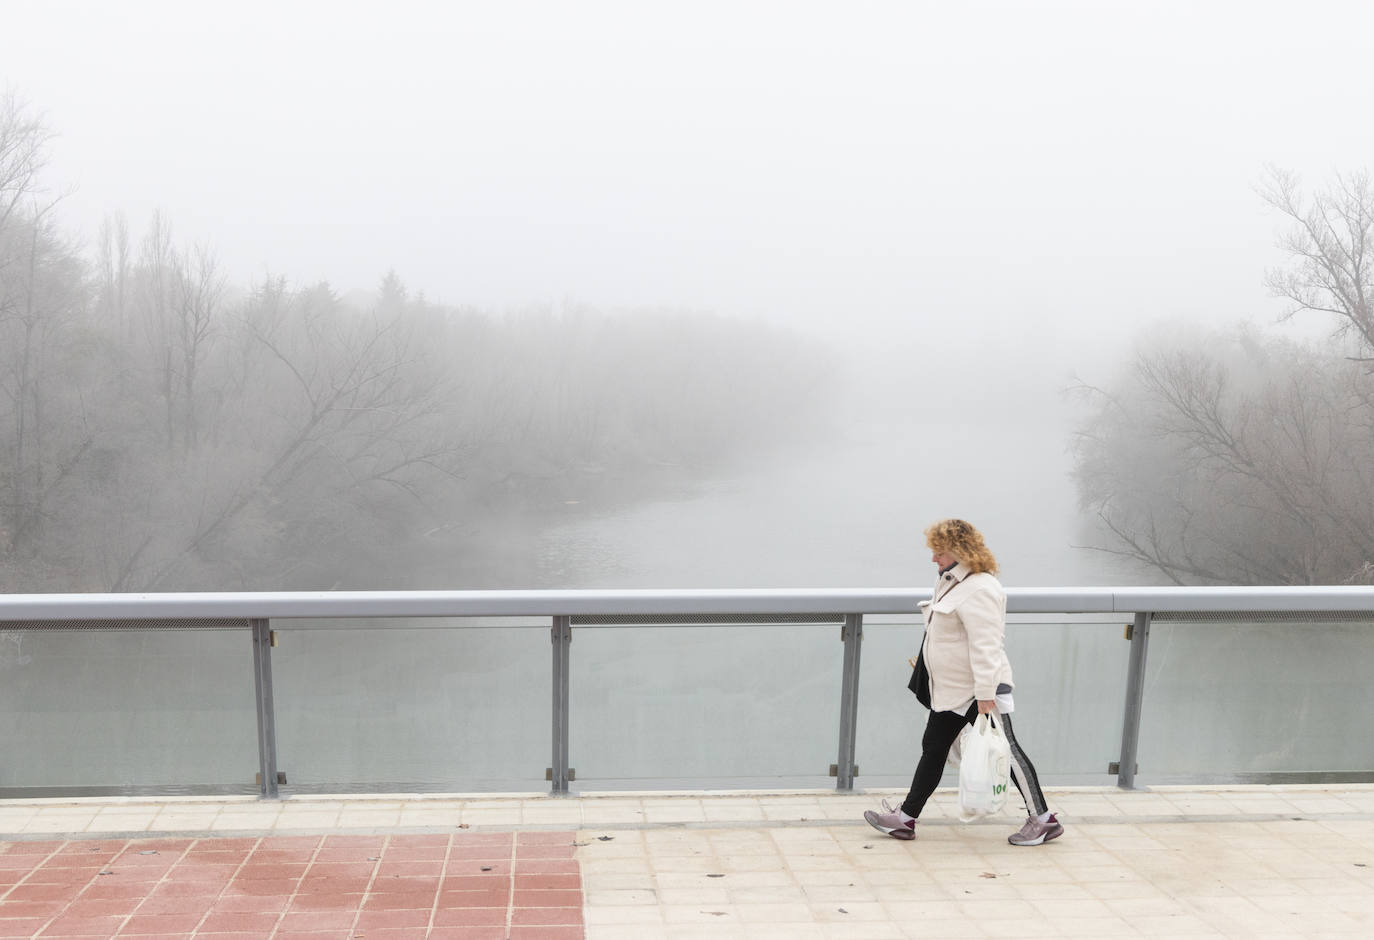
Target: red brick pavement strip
{"points": [[460, 886]]}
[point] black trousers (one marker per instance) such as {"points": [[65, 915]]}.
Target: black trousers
{"points": [[942, 728]]}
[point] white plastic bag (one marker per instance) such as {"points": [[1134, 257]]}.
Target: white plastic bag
{"points": [[984, 769]]}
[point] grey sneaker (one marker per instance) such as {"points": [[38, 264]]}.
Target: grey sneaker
{"points": [[890, 822], [1034, 832]]}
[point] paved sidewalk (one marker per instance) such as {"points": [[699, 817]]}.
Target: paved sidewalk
{"points": [[1171, 862]]}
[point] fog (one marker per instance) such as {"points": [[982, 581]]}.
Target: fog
{"points": [[968, 206]]}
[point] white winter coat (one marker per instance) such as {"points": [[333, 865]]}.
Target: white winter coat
{"points": [[964, 648]]}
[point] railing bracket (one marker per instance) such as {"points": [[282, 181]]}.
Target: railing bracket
{"points": [[1126, 766], [845, 768], [559, 774], [268, 775]]}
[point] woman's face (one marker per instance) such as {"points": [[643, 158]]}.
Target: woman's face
{"points": [[943, 560]]}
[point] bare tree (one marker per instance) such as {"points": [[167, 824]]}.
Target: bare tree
{"points": [[41, 296], [198, 290], [45, 290], [333, 403], [113, 266], [1331, 244], [1238, 465], [1249, 460], [160, 324], [24, 139]]}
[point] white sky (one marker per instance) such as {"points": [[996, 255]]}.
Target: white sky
{"points": [[1032, 170]]}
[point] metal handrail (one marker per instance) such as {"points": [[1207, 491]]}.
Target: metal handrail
{"points": [[847, 606], [364, 604]]}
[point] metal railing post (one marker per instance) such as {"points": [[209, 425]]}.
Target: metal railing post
{"points": [[562, 640], [853, 634], [267, 722], [1135, 696]]}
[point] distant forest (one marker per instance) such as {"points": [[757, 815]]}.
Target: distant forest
{"points": [[164, 429]]}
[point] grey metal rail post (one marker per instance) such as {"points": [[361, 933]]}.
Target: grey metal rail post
{"points": [[562, 640], [853, 634], [267, 722], [1135, 696]]}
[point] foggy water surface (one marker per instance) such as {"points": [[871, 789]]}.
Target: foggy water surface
{"points": [[850, 511]]}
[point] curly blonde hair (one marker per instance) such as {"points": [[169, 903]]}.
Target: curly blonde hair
{"points": [[963, 541]]}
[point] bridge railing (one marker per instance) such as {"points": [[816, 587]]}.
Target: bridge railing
{"points": [[1306, 616]]}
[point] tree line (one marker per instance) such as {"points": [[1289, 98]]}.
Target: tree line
{"points": [[164, 429]]}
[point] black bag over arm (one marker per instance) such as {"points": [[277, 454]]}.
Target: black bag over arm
{"points": [[920, 679]]}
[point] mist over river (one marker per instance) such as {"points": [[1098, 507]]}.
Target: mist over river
{"points": [[848, 508]]}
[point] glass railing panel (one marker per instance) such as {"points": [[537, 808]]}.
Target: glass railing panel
{"points": [[441, 705], [1236, 702], [705, 707], [1070, 684], [103, 711]]}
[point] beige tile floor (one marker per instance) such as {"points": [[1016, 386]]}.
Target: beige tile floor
{"points": [[1178, 862]]}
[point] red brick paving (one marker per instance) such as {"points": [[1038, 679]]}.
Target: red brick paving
{"points": [[464, 886]]}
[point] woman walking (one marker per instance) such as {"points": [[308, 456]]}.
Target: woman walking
{"points": [[963, 671]]}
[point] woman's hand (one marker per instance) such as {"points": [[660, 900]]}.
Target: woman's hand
{"points": [[986, 705]]}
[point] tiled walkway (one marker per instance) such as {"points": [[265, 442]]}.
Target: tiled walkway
{"points": [[1169, 862], [331, 887]]}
